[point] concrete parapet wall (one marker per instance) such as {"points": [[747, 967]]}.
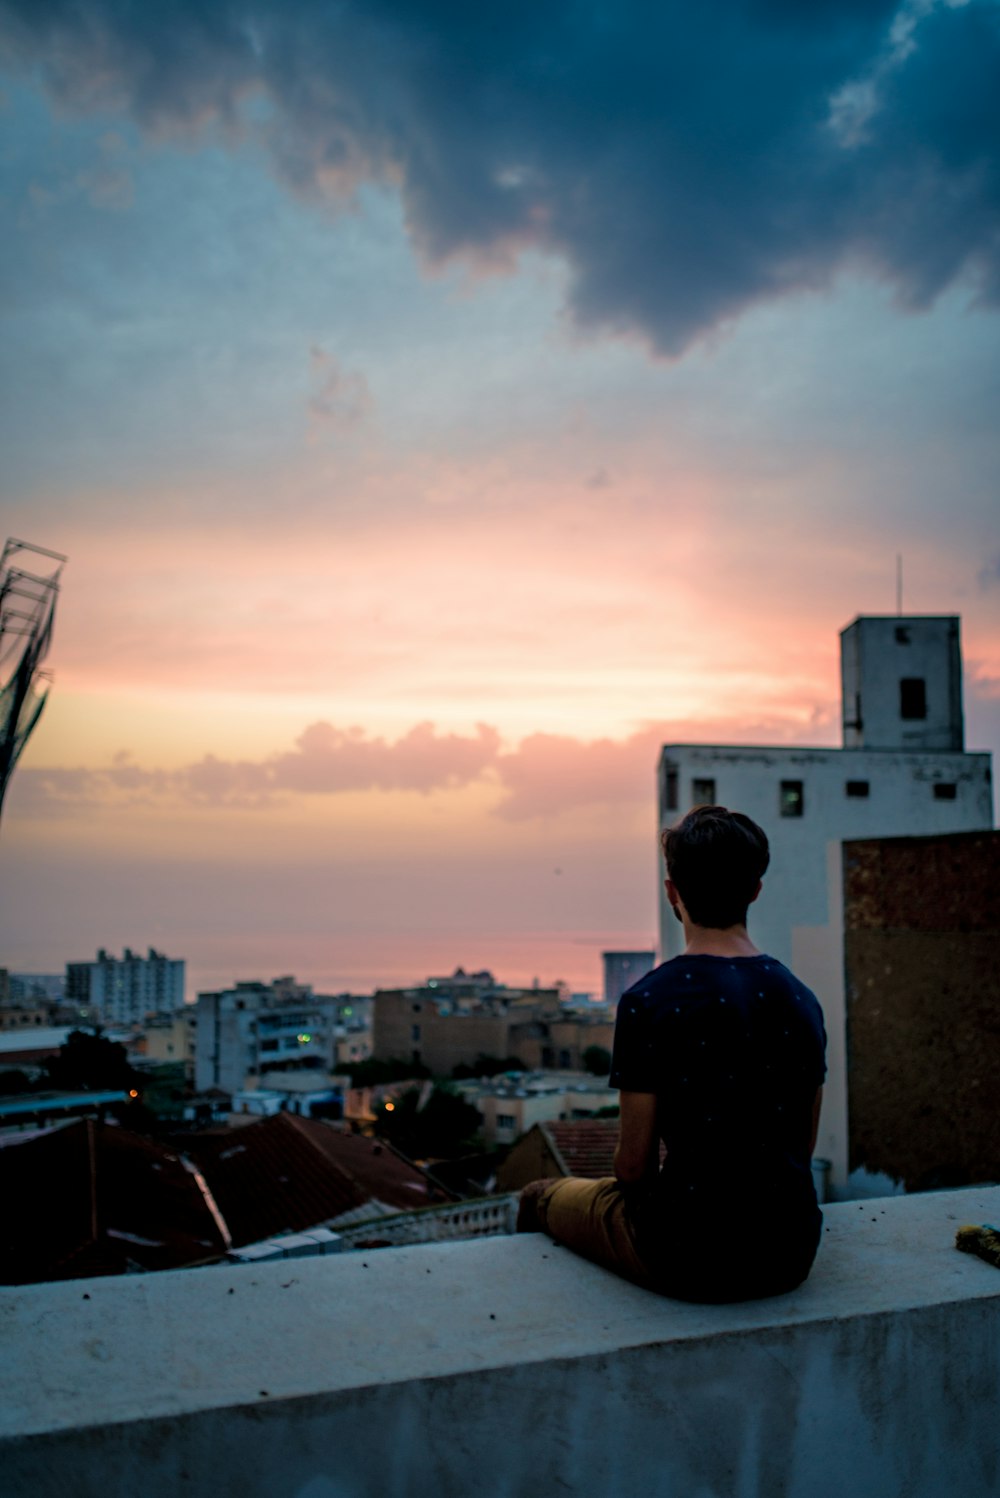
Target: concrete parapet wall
{"points": [[508, 1367]]}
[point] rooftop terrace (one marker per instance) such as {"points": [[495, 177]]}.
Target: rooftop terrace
{"points": [[505, 1366]]}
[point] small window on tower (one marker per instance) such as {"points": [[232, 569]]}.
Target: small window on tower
{"points": [[857, 788], [703, 792], [670, 788], [945, 790], [912, 697], [902, 634], [791, 801]]}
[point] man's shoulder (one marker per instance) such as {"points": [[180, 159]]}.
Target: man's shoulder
{"points": [[660, 980]]}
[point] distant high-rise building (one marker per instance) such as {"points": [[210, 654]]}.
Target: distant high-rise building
{"points": [[26, 988], [126, 990], [622, 969]]}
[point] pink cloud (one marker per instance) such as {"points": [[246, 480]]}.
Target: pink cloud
{"points": [[328, 759], [543, 776]]}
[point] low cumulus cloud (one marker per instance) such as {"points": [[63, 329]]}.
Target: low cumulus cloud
{"points": [[323, 761], [545, 775], [685, 161]]}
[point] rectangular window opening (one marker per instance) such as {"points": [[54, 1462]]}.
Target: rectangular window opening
{"points": [[859, 789], [945, 790], [791, 800], [703, 793], [912, 697], [670, 788]]}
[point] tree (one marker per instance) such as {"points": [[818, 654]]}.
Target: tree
{"points": [[14, 1082], [89, 1061], [597, 1060], [421, 1123], [486, 1066], [374, 1073]]}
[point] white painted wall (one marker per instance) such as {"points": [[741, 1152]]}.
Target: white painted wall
{"points": [[900, 803], [876, 654]]}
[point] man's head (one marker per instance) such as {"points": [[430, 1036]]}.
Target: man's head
{"points": [[715, 862]]}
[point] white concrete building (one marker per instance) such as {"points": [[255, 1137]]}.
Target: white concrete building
{"points": [[902, 771], [126, 990], [510, 1106], [254, 1029]]}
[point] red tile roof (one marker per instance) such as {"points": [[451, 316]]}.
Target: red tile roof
{"points": [[91, 1198], [286, 1173], [585, 1145]]}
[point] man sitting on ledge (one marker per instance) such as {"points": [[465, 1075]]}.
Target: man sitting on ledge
{"points": [[719, 1053]]}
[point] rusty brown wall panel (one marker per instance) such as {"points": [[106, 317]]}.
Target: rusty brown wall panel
{"points": [[922, 971]]}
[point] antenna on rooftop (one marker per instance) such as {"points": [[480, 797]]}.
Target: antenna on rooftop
{"points": [[899, 583], [27, 611]]}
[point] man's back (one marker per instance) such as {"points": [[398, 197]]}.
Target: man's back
{"points": [[733, 1048]]}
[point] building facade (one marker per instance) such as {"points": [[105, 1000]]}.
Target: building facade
{"points": [[621, 970], [254, 1028], [443, 1025], [902, 771], [126, 990]]}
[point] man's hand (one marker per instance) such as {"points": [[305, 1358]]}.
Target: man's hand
{"points": [[638, 1154]]}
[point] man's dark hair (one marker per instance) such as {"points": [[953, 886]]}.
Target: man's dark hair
{"points": [[716, 858]]}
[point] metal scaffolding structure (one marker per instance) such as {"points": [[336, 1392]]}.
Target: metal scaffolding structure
{"points": [[27, 611]]}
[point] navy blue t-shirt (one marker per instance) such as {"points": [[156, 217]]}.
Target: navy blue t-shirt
{"points": [[734, 1049]]}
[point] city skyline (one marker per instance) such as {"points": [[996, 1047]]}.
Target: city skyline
{"points": [[439, 414]]}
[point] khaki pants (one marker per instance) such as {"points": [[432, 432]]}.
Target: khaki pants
{"points": [[591, 1218]]}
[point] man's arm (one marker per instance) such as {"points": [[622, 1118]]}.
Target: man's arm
{"points": [[638, 1154]]}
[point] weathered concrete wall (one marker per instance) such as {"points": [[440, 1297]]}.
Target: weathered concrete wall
{"points": [[507, 1367], [922, 975]]}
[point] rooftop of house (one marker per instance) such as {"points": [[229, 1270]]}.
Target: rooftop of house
{"points": [[586, 1146], [126, 1202], [285, 1173], [507, 1365], [123, 1202]]}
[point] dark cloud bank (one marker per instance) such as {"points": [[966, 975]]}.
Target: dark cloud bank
{"points": [[685, 160]]}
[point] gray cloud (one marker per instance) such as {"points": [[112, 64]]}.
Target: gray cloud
{"points": [[686, 161]]}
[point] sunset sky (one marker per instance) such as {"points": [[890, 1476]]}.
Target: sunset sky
{"points": [[442, 406]]}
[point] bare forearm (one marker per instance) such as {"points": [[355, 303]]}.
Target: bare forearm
{"points": [[637, 1154]]}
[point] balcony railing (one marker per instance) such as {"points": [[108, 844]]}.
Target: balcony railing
{"points": [[486, 1217]]}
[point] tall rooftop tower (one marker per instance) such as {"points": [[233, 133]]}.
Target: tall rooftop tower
{"points": [[901, 682]]}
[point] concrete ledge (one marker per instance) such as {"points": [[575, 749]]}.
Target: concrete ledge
{"points": [[507, 1366]]}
